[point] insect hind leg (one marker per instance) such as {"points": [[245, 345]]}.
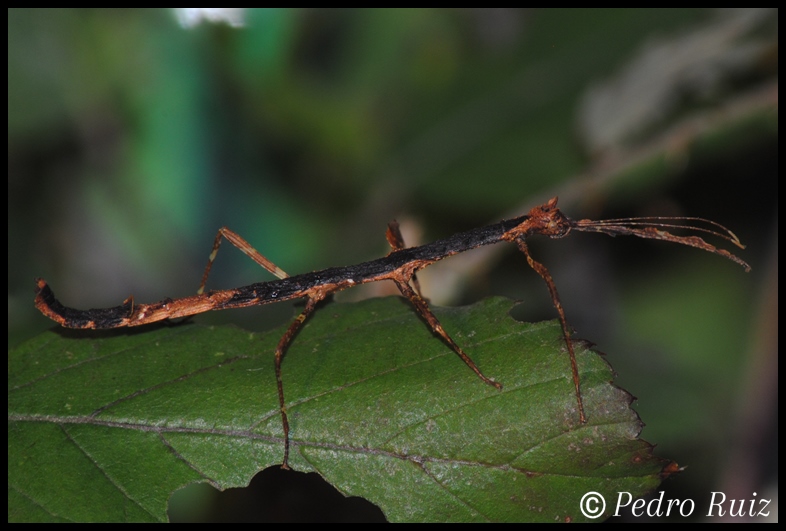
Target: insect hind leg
{"points": [[281, 350], [236, 240]]}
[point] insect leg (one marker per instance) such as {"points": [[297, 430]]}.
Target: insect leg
{"points": [[235, 239], [544, 273], [281, 350], [396, 241], [421, 306]]}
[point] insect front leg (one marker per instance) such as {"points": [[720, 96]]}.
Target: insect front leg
{"points": [[544, 273], [235, 239]]}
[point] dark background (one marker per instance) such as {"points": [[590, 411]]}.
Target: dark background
{"points": [[132, 139]]}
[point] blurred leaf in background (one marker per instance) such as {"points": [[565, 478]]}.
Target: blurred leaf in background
{"points": [[132, 139]]}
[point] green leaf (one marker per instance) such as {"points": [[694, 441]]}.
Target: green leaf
{"points": [[105, 426]]}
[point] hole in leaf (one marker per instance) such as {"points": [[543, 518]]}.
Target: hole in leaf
{"points": [[274, 495]]}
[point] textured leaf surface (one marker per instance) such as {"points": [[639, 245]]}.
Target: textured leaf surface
{"points": [[104, 426]]}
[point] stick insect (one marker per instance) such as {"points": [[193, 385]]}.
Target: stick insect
{"points": [[400, 266]]}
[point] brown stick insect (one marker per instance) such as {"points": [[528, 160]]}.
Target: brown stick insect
{"points": [[400, 266]]}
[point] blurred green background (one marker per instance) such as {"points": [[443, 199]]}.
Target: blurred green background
{"points": [[133, 135]]}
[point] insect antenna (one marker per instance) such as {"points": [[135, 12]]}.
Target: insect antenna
{"points": [[652, 228]]}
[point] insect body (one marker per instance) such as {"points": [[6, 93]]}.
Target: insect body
{"points": [[400, 266]]}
